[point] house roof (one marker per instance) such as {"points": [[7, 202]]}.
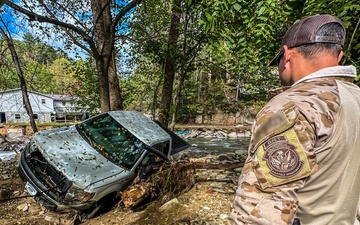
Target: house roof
{"points": [[19, 89], [58, 97]]}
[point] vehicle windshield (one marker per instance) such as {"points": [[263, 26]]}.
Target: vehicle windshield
{"points": [[112, 140]]}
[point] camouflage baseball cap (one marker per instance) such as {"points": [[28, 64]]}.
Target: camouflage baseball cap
{"points": [[304, 32]]}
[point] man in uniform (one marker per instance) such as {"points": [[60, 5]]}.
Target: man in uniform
{"points": [[303, 161]]}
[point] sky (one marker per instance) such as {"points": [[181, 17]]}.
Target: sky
{"points": [[12, 22], [18, 26]]}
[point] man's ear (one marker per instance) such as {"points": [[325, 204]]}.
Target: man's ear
{"points": [[340, 56], [287, 54]]}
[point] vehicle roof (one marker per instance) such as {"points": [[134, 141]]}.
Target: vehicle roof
{"points": [[141, 126]]}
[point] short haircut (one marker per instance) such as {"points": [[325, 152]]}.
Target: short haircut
{"points": [[310, 51]]}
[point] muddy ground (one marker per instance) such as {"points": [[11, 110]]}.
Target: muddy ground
{"points": [[205, 203]]}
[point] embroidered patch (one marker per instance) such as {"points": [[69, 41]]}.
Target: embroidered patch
{"points": [[273, 124], [280, 160], [281, 157]]}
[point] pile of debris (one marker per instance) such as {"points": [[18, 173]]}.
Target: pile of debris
{"points": [[10, 146], [172, 179]]}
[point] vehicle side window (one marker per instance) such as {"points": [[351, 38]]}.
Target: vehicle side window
{"points": [[163, 147], [147, 165]]}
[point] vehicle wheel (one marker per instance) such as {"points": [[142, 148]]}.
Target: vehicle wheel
{"points": [[93, 211], [101, 206]]}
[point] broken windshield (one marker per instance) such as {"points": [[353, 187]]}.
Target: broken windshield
{"points": [[112, 140]]}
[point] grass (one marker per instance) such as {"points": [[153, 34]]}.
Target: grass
{"points": [[54, 124]]}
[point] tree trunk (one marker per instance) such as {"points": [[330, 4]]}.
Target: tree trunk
{"points": [[178, 97], [115, 91], [169, 74], [104, 43], [24, 91], [103, 81]]}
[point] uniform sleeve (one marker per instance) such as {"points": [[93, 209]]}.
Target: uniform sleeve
{"points": [[281, 156]]}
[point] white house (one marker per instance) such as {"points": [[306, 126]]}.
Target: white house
{"points": [[46, 108], [66, 106]]}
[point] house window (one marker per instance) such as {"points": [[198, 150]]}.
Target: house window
{"points": [[17, 116], [43, 101], [63, 103], [36, 116]]}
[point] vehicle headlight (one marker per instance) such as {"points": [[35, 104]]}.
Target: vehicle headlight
{"points": [[78, 195], [30, 148]]}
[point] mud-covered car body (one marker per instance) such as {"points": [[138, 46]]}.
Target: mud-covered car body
{"points": [[77, 166]]}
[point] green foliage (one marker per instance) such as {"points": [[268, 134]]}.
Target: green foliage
{"points": [[38, 62], [62, 75], [7, 70], [222, 53], [47, 71], [85, 86], [239, 38], [139, 89]]}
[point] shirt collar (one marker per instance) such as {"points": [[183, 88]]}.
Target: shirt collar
{"points": [[340, 71]]}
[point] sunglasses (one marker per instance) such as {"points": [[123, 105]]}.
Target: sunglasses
{"points": [[278, 57]]}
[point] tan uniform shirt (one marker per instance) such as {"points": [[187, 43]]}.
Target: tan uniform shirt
{"points": [[304, 155]]}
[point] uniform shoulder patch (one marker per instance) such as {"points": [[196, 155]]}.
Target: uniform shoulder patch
{"points": [[274, 124], [282, 158]]}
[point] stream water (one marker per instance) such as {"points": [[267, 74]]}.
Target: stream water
{"points": [[216, 146], [7, 155]]}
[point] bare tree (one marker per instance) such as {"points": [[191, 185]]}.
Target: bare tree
{"points": [[7, 36]]}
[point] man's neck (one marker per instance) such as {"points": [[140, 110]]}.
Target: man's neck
{"points": [[309, 66]]}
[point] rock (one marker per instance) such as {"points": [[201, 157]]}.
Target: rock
{"points": [[239, 152], [224, 190], [247, 134], [169, 204], [52, 219], [233, 135], [23, 207], [59, 219], [5, 177], [206, 208], [26, 208], [220, 134], [223, 157], [238, 170], [224, 216]]}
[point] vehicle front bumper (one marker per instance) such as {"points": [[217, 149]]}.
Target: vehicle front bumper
{"points": [[41, 193]]}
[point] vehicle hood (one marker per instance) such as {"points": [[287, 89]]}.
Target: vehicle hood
{"points": [[68, 152]]}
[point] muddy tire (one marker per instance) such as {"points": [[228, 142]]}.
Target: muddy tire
{"points": [[103, 205]]}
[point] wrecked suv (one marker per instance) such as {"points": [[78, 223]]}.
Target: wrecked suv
{"points": [[84, 166]]}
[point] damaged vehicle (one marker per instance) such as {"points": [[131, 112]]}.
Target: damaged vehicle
{"points": [[84, 166]]}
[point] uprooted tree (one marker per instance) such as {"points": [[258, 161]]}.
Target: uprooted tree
{"points": [[171, 179]]}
